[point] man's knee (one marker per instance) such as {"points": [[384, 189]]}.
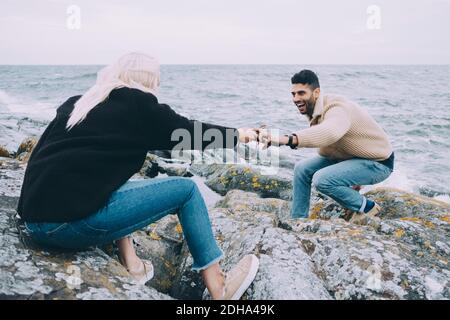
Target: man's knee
{"points": [[321, 182]]}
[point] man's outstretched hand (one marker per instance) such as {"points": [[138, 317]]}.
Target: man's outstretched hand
{"points": [[270, 138]]}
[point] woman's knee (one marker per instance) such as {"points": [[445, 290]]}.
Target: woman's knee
{"points": [[188, 185], [186, 182]]}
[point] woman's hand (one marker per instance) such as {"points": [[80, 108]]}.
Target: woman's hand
{"points": [[247, 134]]}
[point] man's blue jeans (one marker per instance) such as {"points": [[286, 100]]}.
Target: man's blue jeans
{"points": [[133, 206], [335, 179]]}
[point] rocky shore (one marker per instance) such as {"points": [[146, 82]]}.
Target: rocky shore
{"points": [[404, 254]]}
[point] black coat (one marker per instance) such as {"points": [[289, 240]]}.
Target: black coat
{"points": [[71, 174]]}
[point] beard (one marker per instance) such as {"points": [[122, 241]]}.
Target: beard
{"points": [[306, 107]]}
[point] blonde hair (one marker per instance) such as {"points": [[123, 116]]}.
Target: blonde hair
{"points": [[133, 70]]}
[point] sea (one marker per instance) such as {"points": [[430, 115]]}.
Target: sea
{"points": [[411, 103]]}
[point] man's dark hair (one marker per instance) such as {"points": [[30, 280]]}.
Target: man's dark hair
{"points": [[306, 77]]}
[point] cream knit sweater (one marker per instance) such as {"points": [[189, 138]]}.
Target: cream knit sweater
{"points": [[341, 129]]}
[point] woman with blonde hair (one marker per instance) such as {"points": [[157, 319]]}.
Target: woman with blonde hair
{"points": [[76, 191]]}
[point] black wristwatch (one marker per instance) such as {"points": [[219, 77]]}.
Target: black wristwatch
{"points": [[290, 141]]}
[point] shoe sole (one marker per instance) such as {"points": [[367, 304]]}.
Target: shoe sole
{"points": [[248, 279]]}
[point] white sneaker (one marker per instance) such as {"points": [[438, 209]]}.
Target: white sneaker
{"points": [[144, 274], [238, 279]]}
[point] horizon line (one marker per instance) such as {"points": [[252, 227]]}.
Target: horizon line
{"points": [[239, 64]]}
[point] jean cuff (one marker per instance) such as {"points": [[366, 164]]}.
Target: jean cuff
{"points": [[209, 264], [363, 206], [299, 216]]}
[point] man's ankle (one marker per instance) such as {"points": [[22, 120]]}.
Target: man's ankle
{"points": [[369, 205]]}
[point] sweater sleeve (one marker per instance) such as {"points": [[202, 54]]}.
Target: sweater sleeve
{"points": [[165, 130], [42, 139], [334, 126], [36, 148]]}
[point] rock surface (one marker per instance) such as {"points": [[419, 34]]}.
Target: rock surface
{"points": [[222, 178], [25, 148], [4, 152], [403, 254], [29, 272]]}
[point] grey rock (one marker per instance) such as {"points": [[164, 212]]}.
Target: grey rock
{"points": [[404, 256], [161, 243], [223, 178], [4, 152], [11, 176], [286, 271], [155, 165], [30, 272], [25, 149]]}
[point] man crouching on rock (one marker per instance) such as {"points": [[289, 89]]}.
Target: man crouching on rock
{"points": [[353, 149]]}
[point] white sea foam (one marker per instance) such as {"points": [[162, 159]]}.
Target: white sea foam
{"points": [[443, 198], [26, 107], [5, 99], [37, 110]]}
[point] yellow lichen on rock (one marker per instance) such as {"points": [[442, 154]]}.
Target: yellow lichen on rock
{"points": [[414, 219], [314, 213], [354, 232], [429, 224], [399, 233], [178, 228], [426, 223], [154, 236]]}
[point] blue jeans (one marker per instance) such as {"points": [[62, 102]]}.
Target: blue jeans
{"points": [[334, 178], [133, 206]]}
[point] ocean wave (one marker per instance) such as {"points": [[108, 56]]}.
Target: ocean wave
{"points": [[359, 74], [75, 77], [416, 132], [5, 98], [222, 95], [14, 105], [440, 143]]}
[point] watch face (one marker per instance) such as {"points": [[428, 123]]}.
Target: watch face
{"points": [[290, 140]]}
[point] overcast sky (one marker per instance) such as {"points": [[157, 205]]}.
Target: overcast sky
{"points": [[226, 31]]}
